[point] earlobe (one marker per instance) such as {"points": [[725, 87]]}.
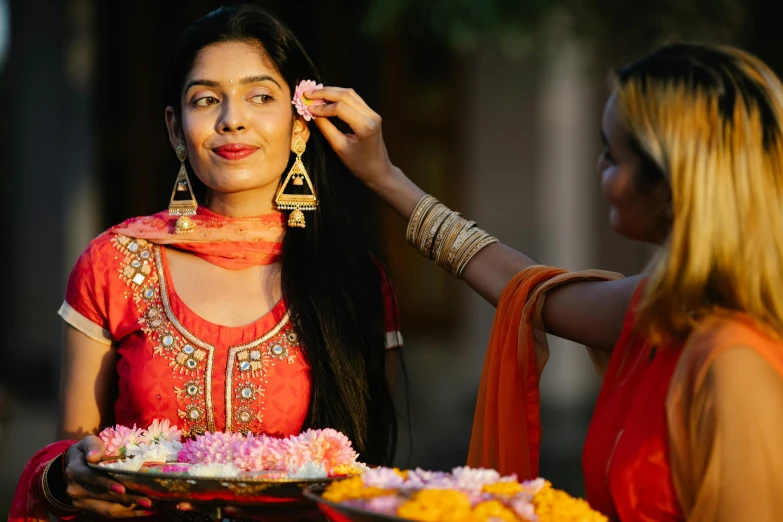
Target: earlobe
{"points": [[300, 130]]}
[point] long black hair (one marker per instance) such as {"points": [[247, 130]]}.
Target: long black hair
{"points": [[332, 270]]}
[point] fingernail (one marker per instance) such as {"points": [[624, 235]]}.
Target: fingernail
{"points": [[145, 513], [92, 453], [117, 488], [145, 502], [183, 507]]}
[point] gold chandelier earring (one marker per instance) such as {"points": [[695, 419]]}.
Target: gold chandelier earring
{"points": [[181, 207], [296, 193]]}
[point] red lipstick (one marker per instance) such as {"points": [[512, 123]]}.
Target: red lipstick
{"points": [[234, 151]]}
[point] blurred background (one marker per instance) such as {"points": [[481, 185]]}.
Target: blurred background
{"points": [[492, 105]]}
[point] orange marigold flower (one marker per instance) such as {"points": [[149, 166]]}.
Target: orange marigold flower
{"points": [[505, 487], [553, 505], [351, 489]]}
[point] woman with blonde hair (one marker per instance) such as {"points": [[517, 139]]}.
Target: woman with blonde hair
{"points": [[689, 420]]}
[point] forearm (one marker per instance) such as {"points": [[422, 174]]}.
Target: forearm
{"points": [[396, 189], [492, 268], [489, 271]]}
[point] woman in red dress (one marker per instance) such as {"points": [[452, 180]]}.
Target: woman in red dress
{"points": [[230, 316], [689, 420]]}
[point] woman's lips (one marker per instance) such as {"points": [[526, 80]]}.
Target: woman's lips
{"points": [[234, 151]]}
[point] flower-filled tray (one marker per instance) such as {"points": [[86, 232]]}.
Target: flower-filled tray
{"points": [[225, 468], [464, 495], [175, 482]]}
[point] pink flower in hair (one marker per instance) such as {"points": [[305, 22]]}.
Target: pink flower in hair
{"points": [[302, 102]]}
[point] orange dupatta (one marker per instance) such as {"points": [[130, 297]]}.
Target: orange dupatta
{"points": [[233, 243], [506, 425]]}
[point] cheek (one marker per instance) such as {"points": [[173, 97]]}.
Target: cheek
{"points": [[612, 185]]}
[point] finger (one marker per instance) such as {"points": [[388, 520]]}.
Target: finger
{"points": [[112, 509], [338, 94], [78, 492], [92, 447], [79, 472], [336, 139], [360, 124]]}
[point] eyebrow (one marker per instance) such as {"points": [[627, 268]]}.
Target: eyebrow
{"points": [[243, 81]]}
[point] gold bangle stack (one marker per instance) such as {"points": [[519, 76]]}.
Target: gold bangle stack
{"points": [[441, 234], [53, 501]]}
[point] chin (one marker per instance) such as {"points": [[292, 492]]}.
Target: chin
{"points": [[233, 184]]}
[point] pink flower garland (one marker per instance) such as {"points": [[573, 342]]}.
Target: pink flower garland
{"points": [[327, 448]]}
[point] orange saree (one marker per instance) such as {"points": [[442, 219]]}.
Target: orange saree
{"points": [[681, 431]]}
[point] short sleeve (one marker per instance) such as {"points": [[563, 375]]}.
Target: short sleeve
{"points": [[737, 440], [392, 315], [87, 296]]}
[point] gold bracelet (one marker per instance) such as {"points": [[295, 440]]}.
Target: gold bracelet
{"points": [[439, 215], [468, 230], [414, 223], [439, 233], [427, 218], [51, 499], [476, 235], [450, 238], [443, 235], [478, 247]]}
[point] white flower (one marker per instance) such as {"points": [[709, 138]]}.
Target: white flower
{"points": [[309, 470], [161, 430], [156, 452], [215, 469], [531, 487], [133, 464]]}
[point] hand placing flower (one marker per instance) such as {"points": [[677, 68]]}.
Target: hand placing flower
{"points": [[362, 149], [302, 102]]}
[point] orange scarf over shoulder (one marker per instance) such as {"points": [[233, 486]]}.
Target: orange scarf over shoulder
{"points": [[232, 243], [506, 425]]}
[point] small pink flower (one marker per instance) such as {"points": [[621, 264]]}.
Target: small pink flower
{"points": [[118, 439], [302, 102], [327, 447], [209, 448]]}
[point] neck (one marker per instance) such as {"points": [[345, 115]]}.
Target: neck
{"points": [[248, 203]]}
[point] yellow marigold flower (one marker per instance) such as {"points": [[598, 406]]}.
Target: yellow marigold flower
{"points": [[553, 505], [347, 469], [494, 510], [436, 505], [442, 497], [401, 473], [350, 489], [419, 511], [509, 488]]}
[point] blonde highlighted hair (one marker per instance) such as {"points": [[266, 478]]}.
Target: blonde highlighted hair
{"points": [[710, 118]]}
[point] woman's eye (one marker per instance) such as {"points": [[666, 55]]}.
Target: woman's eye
{"points": [[261, 98], [608, 156], [206, 101]]}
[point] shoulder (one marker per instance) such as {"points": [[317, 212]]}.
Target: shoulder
{"points": [[725, 340]]}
